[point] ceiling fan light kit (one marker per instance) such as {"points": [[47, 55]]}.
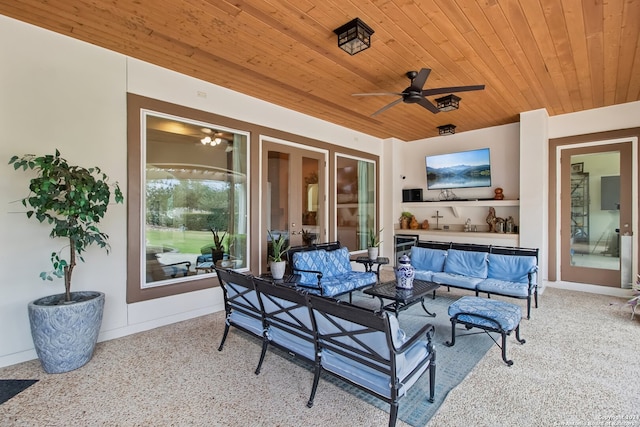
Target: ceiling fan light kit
{"points": [[415, 94], [354, 36], [448, 103], [448, 129]]}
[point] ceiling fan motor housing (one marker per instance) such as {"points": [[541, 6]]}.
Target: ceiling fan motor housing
{"points": [[412, 95]]}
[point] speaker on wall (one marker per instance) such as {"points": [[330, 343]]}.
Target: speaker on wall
{"points": [[412, 195]]}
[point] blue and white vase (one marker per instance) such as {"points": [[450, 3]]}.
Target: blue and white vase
{"points": [[405, 273]]}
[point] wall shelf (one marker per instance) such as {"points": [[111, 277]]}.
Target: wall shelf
{"points": [[500, 239], [456, 204]]}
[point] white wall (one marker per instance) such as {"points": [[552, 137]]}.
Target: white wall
{"points": [[534, 184], [64, 94], [61, 93], [537, 130], [410, 163]]}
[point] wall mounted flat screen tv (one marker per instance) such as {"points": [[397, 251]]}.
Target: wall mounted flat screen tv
{"points": [[464, 169]]}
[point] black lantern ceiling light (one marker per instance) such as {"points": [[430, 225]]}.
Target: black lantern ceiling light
{"points": [[447, 129], [448, 103], [354, 36]]}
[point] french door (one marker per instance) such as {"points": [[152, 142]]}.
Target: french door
{"points": [[596, 213], [293, 195]]}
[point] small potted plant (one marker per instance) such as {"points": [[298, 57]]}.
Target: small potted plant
{"points": [[374, 243], [279, 247], [72, 200], [308, 237], [218, 250]]}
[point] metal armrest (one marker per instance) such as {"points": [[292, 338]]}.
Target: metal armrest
{"points": [[427, 329], [299, 270]]}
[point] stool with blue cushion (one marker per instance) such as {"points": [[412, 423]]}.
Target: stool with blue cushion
{"points": [[488, 315]]}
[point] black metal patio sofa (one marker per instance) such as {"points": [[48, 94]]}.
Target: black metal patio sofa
{"points": [[364, 348]]}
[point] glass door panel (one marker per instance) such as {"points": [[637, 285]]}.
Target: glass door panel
{"points": [[292, 187], [277, 196], [597, 205], [309, 200], [355, 202]]}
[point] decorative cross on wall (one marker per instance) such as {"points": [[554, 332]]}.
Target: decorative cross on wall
{"points": [[437, 216]]}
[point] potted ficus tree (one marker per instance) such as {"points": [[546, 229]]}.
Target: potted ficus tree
{"points": [[279, 248], [72, 200]]}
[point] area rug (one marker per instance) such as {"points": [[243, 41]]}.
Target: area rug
{"points": [[9, 388], [452, 363]]}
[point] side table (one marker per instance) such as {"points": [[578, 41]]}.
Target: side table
{"points": [[288, 279], [369, 263]]}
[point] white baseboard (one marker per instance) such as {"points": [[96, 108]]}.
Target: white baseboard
{"points": [[25, 356], [594, 289]]}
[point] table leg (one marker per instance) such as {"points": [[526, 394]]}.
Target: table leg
{"points": [[378, 272], [425, 308]]}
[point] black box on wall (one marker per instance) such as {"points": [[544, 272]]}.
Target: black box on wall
{"points": [[412, 195]]}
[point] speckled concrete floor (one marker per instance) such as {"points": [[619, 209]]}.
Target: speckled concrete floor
{"points": [[578, 367]]}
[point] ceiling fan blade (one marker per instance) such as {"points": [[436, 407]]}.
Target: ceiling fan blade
{"points": [[421, 78], [377, 94], [428, 105], [453, 89], [386, 107]]}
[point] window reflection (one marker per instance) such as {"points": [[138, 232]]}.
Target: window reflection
{"points": [[195, 199]]}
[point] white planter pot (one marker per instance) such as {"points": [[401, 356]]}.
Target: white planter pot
{"points": [[65, 335], [277, 269], [373, 252]]}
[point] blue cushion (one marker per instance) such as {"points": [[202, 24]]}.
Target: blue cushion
{"points": [[296, 344], [456, 280], [175, 270], [240, 297], [507, 315], [339, 285], [504, 287], [310, 260], [427, 276], [367, 376], [428, 259], [467, 263], [511, 268], [286, 311], [252, 324], [337, 262]]}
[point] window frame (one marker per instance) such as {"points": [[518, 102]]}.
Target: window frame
{"points": [[137, 107]]}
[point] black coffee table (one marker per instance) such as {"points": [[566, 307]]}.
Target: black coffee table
{"points": [[402, 298]]}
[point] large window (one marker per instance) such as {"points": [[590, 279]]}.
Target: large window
{"points": [[355, 201], [187, 198], [195, 204]]}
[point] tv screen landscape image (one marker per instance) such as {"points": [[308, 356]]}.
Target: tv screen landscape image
{"points": [[464, 169]]}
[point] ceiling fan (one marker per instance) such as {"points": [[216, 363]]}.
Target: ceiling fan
{"points": [[415, 94]]}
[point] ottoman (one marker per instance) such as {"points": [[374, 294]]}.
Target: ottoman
{"points": [[488, 315]]}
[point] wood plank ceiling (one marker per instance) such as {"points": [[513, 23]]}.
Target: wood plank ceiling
{"points": [[562, 55]]}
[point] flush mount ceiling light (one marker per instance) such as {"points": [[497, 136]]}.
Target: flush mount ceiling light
{"points": [[448, 103], [447, 129], [354, 36]]}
